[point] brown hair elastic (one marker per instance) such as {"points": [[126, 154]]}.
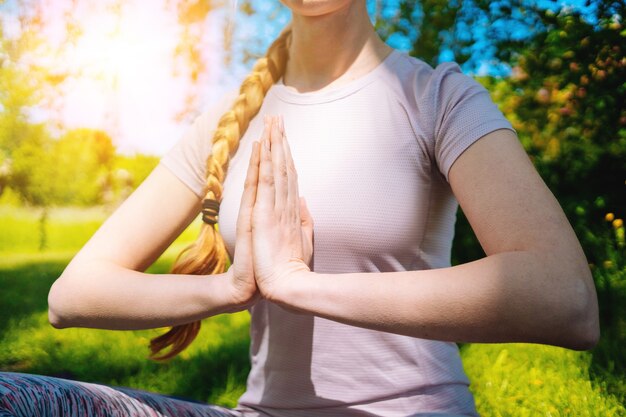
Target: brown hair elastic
{"points": [[210, 210]]}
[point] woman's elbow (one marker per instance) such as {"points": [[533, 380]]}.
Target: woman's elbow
{"points": [[587, 333], [584, 335], [584, 321], [55, 306], [55, 319], [59, 304], [590, 338]]}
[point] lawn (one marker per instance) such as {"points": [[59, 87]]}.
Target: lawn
{"points": [[507, 379]]}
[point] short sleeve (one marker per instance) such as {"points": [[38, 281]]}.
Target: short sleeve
{"points": [[463, 113], [187, 158]]}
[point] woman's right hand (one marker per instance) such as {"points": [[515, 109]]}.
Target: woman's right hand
{"points": [[245, 291]]}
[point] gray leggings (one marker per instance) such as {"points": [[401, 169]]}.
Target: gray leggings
{"points": [[26, 395]]}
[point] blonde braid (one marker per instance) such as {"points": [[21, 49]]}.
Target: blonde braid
{"points": [[208, 255]]}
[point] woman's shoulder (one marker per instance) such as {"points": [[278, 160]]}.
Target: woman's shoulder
{"points": [[448, 109], [415, 80], [208, 119], [187, 158]]}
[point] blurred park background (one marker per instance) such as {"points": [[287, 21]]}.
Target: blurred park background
{"points": [[93, 93]]}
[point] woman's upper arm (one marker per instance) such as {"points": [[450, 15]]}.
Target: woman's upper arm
{"points": [[507, 203], [510, 208], [145, 224]]}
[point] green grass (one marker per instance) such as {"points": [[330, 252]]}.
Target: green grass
{"points": [[67, 228], [507, 379], [524, 380]]}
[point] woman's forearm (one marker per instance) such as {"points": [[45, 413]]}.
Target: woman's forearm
{"points": [[507, 297], [103, 295]]}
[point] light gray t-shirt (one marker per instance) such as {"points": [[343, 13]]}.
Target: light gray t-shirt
{"points": [[373, 157]]}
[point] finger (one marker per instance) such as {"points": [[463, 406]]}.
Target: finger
{"points": [[248, 197], [249, 194], [266, 129], [292, 179], [265, 186], [279, 166]]}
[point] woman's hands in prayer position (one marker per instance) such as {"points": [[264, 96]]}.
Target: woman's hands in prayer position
{"points": [[274, 226], [534, 285]]}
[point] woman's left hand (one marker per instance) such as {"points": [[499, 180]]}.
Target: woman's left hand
{"points": [[282, 227]]}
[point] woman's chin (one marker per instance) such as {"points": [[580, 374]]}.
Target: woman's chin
{"points": [[312, 8]]}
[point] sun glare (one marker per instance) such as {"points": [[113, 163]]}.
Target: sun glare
{"points": [[128, 46], [121, 60]]}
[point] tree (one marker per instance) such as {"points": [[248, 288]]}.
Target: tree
{"points": [[24, 146], [17, 94], [566, 99], [82, 161], [429, 27]]}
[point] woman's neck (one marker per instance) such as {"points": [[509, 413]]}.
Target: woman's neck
{"points": [[332, 49]]}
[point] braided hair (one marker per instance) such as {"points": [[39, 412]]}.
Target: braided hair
{"points": [[208, 254]]}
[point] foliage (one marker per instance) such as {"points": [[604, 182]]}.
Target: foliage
{"points": [[428, 25], [81, 166], [23, 145], [79, 169], [83, 161], [31, 167], [18, 92], [128, 173], [565, 98]]}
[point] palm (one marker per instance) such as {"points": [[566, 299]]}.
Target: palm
{"points": [[280, 246], [282, 225]]}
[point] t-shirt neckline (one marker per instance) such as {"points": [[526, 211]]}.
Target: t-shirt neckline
{"points": [[289, 95]]}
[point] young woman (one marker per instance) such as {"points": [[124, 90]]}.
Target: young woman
{"points": [[357, 315]]}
